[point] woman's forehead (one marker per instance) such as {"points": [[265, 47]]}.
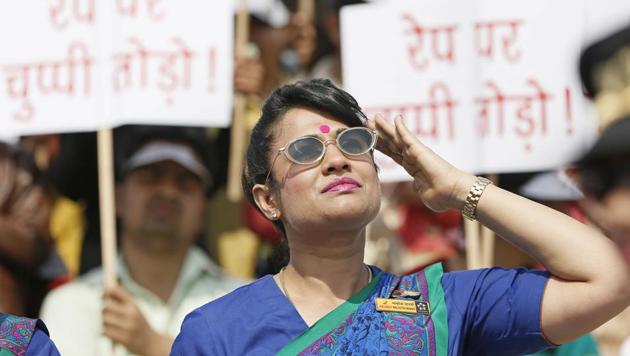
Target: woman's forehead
{"points": [[299, 122]]}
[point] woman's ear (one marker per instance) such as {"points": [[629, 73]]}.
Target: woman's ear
{"points": [[263, 196]]}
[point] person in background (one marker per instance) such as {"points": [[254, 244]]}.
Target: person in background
{"points": [[327, 57], [29, 264], [281, 42], [24, 337], [282, 38], [74, 174], [67, 217], [164, 179], [603, 173]]}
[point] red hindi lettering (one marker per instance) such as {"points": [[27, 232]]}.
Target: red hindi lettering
{"points": [[126, 62], [433, 118], [51, 77], [528, 122], [62, 14], [154, 10], [441, 39], [166, 70], [131, 8], [486, 37], [176, 67], [17, 81], [440, 99], [529, 115], [127, 7], [486, 104], [59, 76], [568, 110]]}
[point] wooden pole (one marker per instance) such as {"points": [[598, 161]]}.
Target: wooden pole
{"points": [[488, 237], [237, 133], [473, 253], [107, 214], [106, 199], [487, 247]]}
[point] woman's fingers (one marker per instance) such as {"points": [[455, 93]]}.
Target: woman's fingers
{"points": [[408, 139], [402, 145], [418, 153], [385, 129], [388, 142]]}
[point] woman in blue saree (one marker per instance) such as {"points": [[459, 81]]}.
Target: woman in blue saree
{"points": [[21, 336], [310, 170]]}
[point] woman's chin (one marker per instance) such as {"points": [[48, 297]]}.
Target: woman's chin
{"points": [[350, 216]]}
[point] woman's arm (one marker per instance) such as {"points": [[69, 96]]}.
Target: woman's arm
{"points": [[590, 282]]}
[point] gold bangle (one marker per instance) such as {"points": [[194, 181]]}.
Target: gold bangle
{"points": [[470, 207]]}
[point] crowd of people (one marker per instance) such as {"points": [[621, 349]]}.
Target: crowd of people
{"points": [[320, 256]]}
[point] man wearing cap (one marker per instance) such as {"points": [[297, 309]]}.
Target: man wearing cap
{"points": [[161, 195]]}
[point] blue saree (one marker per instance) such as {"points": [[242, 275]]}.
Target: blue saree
{"points": [[356, 327], [24, 337], [482, 312]]}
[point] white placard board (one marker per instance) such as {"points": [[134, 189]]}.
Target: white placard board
{"points": [[491, 85], [73, 65]]}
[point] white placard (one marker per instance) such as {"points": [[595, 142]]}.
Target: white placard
{"points": [[73, 65], [491, 85]]}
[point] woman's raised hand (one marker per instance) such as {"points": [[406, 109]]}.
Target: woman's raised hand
{"points": [[440, 185]]}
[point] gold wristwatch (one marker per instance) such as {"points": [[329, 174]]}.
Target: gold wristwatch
{"points": [[470, 207]]}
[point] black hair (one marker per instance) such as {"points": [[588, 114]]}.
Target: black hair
{"points": [[130, 138], [317, 94], [598, 53]]}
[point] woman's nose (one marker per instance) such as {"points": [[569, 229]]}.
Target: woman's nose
{"points": [[334, 160]]}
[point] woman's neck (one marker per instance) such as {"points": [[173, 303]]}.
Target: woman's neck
{"points": [[324, 255], [323, 272]]}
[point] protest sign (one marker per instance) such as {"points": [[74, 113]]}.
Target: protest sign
{"points": [[491, 85], [70, 65]]}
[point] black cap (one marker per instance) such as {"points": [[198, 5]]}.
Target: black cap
{"points": [[605, 74], [597, 54], [135, 145]]}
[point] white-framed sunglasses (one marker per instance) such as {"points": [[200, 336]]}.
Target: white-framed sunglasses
{"points": [[352, 142]]}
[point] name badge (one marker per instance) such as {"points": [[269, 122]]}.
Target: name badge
{"points": [[402, 306], [396, 305]]}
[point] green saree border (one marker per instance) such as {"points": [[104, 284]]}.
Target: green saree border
{"points": [[329, 321], [437, 302]]}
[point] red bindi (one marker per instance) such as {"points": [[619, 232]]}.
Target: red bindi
{"points": [[324, 128]]}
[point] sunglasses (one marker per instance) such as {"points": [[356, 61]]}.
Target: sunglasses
{"points": [[351, 142]]}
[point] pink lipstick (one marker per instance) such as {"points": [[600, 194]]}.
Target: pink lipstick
{"points": [[344, 184]]}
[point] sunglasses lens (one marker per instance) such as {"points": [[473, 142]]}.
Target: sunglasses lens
{"points": [[356, 141], [305, 150]]}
